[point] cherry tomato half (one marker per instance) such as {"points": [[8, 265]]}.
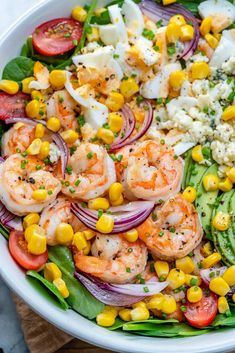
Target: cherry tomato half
{"points": [[202, 313], [12, 105], [56, 36], [18, 250]]}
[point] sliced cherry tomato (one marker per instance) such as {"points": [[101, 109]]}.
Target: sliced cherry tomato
{"points": [[202, 313], [18, 250], [12, 105], [57, 36]]}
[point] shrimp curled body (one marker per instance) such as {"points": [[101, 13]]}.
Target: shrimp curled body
{"points": [[19, 178], [151, 171], [175, 233], [114, 259]]}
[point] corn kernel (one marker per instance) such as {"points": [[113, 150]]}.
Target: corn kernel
{"points": [[111, 309], [39, 131], [186, 33], [169, 304], [125, 314], [225, 185], [176, 278], [176, 79], [69, 136], [231, 174], [197, 155], [87, 249], [115, 122], [205, 26], [190, 194], [79, 14], [132, 235], [233, 297], [200, 70], [61, 286], [118, 202], [89, 234], [129, 87], [229, 276], [192, 280], [210, 182], [32, 109], [211, 40], [223, 306], [207, 249], [178, 19], [99, 11], [115, 101], [156, 301], [229, 113], [161, 268], [8, 86], [105, 224], [53, 124], [25, 85], [185, 264], [219, 286], [33, 229], [52, 271], [221, 221], [168, 2], [172, 32], [57, 79], [211, 260], [115, 191], [140, 304], [37, 243], [105, 319], [105, 135], [93, 35], [139, 313], [34, 147], [31, 218], [44, 150], [37, 95], [39, 195], [79, 241], [64, 233], [194, 294]]}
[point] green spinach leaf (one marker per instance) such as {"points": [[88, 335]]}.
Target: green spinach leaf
{"points": [[18, 68], [51, 287], [80, 299], [4, 231]]}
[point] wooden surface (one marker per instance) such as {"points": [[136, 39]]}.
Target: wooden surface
{"points": [[77, 346]]}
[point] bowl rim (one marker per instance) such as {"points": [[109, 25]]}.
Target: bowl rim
{"points": [[119, 342]]}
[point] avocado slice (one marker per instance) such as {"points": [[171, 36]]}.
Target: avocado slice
{"points": [[224, 241], [197, 172], [187, 162], [205, 201]]}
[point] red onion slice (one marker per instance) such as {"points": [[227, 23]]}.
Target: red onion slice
{"points": [[119, 295], [133, 215], [55, 137], [7, 218], [129, 116], [157, 12]]}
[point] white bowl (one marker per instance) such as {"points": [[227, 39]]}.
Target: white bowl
{"points": [[69, 321]]}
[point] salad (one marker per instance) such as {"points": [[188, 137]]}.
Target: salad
{"points": [[117, 164]]}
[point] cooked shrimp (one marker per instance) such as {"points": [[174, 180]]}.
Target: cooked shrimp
{"points": [[151, 171], [63, 107], [55, 213], [19, 177], [17, 138], [176, 231], [204, 47], [91, 172], [113, 259]]}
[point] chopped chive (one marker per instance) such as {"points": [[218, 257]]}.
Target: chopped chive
{"points": [[50, 192], [77, 182], [69, 170], [100, 212], [128, 270], [89, 155], [146, 290]]}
